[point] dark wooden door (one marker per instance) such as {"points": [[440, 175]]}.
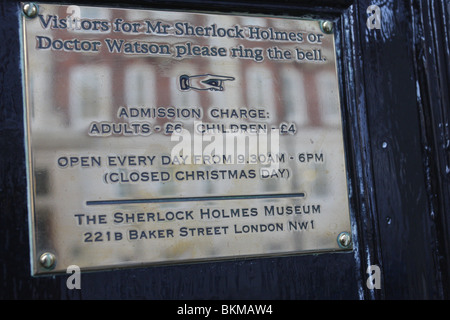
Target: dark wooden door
{"points": [[394, 79]]}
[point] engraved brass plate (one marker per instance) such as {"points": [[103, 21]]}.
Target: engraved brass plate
{"points": [[158, 137]]}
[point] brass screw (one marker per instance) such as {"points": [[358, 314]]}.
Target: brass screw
{"points": [[30, 10], [47, 260], [344, 240], [327, 26]]}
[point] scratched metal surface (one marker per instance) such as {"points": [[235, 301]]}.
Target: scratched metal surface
{"points": [[398, 193]]}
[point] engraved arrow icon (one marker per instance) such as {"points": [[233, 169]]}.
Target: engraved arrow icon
{"points": [[210, 82]]}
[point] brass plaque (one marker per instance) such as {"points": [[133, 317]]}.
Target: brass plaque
{"points": [[157, 137]]}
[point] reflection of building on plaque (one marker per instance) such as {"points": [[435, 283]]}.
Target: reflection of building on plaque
{"points": [[90, 94], [90, 87], [294, 103], [140, 85], [137, 82], [260, 89], [328, 100]]}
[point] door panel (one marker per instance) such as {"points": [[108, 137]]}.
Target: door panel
{"points": [[394, 97]]}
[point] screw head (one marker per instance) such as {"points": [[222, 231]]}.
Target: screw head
{"points": [[47, 260], [344, 240], [30, 10], [327, 26]]}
